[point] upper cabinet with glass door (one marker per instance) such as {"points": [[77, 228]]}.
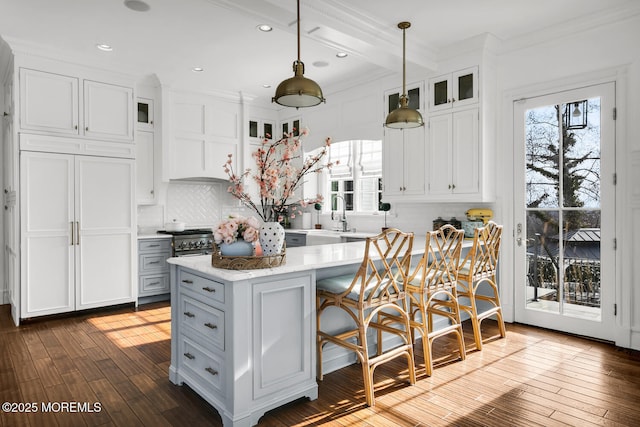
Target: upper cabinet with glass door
{"points": [[452, 90], [144, 119]]}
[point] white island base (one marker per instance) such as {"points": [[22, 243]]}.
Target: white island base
{"points": [[244, 342]]}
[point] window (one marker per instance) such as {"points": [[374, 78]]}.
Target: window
{"points": [[355, 183]]}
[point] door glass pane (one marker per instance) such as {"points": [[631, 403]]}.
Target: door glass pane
{"points": [[394, 101], [268, 131], [253, 129], [465, 87], [285, 129], [541, 157], [440, 93], [562, 170], [581, 175], [542, 259], [414, 98], [143, 112]]}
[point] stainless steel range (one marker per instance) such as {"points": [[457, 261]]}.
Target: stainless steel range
{"points": [[191, 241]]}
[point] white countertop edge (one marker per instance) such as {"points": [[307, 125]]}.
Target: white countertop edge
{"points": [[298, 259]]}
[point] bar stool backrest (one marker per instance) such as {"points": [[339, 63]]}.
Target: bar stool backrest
{"points": [[384, 268], [438, 267], [482, 260]]}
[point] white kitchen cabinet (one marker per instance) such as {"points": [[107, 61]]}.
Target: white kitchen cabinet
{"points": [[48, 102], [51, 103], [145, 168], [403, 163], [77, 232], [454, 155], [204, 131], [453, 90], [108, 111]]}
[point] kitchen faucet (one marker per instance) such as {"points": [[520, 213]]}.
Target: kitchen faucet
{"points": [[343, 220]]}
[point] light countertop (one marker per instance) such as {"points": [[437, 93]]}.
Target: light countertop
{"points": [[298, 259]]}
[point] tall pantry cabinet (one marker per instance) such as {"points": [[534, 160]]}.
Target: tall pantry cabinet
{"points": [[76, 192]]}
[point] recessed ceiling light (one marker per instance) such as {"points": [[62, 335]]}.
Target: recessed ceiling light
{"points": [[321, 64], [104, 47], [264, 28], [137, 5], [342, 54], [197, 69], [266, 86]]}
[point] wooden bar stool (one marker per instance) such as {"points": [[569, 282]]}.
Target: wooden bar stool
{"points": [[478, 267], [376, 286], [431, 292]]}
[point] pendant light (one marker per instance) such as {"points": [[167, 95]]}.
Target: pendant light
{"points": [[298, 91], [403, 116]]}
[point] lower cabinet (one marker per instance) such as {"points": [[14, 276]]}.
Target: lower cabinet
{"points": [[246, 346], [77, 232], [153, 270]]}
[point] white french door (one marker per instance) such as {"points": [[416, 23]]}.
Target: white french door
{"points": [[564, 196]]}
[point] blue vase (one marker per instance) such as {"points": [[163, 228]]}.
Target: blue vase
{"points": [[239, 248]]}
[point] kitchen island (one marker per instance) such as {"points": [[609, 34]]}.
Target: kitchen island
{"points": [[245, 340]]}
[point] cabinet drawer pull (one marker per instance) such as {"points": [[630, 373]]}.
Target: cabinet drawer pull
{"points": [[154, 246], [187, 281], [208, 289], [154, 283], [189, 314], [189, 356], [154, 262], [211, 325], [211, 371]]}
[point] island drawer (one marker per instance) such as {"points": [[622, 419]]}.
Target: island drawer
{"points": [[205, 287], [204, 367], [204, 319]]}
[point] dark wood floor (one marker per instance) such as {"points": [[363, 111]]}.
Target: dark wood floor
{"points": [[119, 359]]}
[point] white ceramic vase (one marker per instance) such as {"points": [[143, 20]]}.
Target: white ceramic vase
{"points": [[271, 238]]}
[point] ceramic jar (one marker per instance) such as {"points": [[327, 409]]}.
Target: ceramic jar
{"points": [[271, 238], [238, 248]]}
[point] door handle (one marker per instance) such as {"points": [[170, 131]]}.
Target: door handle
{"points": [[78, 233], [73, 237]]}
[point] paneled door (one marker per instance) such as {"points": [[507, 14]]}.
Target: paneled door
{"points": [[564, 195]]}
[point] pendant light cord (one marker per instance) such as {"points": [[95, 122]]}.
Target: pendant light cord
{"points": [[298, 23], [404, 62]]}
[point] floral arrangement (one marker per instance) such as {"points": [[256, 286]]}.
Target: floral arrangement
{"points": [[236, 227], [277, 177]]}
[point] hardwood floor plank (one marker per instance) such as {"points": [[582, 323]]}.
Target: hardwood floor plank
{"points": [[120, 358]]}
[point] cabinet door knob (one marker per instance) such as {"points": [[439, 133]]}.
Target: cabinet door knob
{"points": [[76, 127]]}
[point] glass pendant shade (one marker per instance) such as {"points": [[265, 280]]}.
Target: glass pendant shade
{"points": [[298, 91], [404, 117]]}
